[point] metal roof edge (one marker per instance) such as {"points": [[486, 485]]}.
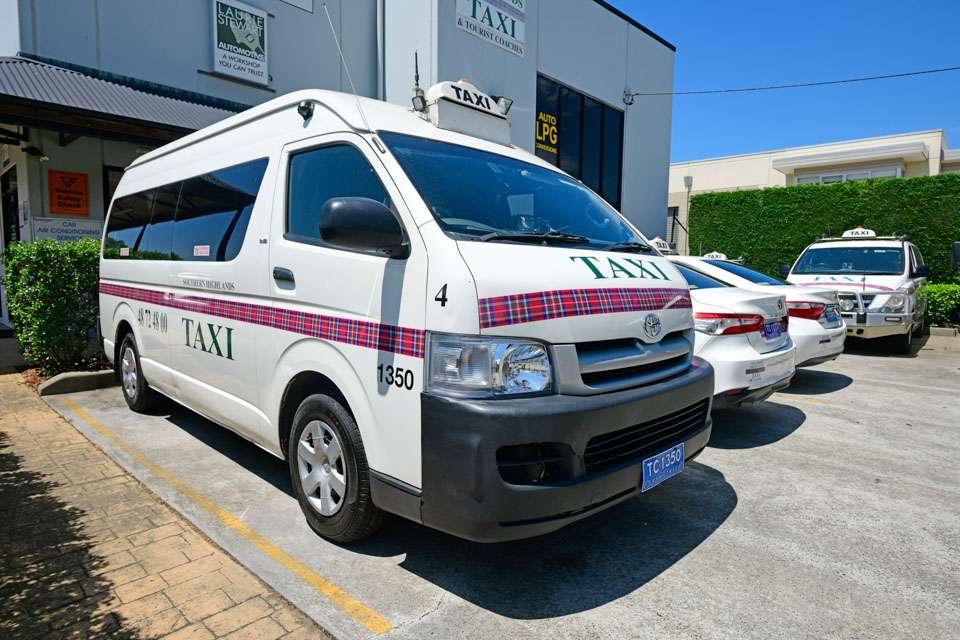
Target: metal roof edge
{"points": [[633, 21]]}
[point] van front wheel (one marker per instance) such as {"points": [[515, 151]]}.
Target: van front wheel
{"points": [[329, 473], [138, 394]]}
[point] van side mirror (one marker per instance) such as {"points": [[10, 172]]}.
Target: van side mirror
{"points": [[922, 271], [784, 270], [956, 255], [362, 224]]}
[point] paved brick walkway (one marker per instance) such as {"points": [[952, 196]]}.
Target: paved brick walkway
{"points": [[88, 552]]}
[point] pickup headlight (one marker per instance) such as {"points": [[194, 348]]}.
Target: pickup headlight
{"points": [[895, 303], [486, 367]]}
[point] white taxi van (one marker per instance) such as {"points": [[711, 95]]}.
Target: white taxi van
{"points": [[418, 316], [879, 282]]}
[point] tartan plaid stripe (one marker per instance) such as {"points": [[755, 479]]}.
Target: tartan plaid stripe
{"points": [[372, 335], [547, 305]]}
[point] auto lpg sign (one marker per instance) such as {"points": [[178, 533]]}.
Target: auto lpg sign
{"points": [[240, 41], [502, 22]]}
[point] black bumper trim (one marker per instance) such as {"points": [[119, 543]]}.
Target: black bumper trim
{"points": [[463, 491]]}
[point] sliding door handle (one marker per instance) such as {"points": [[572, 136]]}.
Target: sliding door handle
{"points": [[281, 274]]}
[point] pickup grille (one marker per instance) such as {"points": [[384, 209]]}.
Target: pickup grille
{"points": [[634, 443]]}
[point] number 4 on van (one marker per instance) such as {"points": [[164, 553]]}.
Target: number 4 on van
{"points": [[206, 337]]}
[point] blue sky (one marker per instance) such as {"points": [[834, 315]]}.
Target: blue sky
{"points": [[749, 43]]}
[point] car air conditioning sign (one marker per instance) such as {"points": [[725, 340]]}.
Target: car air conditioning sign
{"points": [[501, 22], [240, 41]]}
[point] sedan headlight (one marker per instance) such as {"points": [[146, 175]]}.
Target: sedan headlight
{"points": [[485, 367]]}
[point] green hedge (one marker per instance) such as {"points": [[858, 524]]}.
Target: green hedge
{"points": [[770, 227], [52, 296], [943, 304]]}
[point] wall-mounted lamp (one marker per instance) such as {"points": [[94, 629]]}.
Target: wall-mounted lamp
{"points": [[36, 153]]}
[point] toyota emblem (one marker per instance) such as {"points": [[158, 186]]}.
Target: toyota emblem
{"points": [[652, 326]]}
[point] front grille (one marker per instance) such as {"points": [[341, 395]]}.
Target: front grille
{"points": [[610, 365], [860, 300], [634, 443]]}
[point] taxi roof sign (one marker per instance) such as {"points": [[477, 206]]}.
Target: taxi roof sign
{"points": [[715, 255], [661, 245], [859, 232], [460, 106]]}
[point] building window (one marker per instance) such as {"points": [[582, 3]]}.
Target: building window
{"points": [[582, 136], [833, 177]]}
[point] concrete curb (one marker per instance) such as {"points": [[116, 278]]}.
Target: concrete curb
{"points": [[74, 381], [949, 332]]}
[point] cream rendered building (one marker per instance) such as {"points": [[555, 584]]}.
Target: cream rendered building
{"points": [[907, 155]]}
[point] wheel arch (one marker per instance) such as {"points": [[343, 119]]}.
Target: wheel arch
{"points": [[298, 389]]}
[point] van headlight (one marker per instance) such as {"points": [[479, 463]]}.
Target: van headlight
{"points": [[486, 367]]}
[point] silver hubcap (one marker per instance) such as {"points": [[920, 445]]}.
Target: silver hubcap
{"points": [[128, 373], [323, 471]]}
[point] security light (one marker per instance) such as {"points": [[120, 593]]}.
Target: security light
{"points": [[504, 103]]}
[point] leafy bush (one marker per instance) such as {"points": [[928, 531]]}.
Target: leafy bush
{"points": [[52, 296], [770, 227], [943, 304]]}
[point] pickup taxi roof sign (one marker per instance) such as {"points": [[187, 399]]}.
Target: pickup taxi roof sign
{"points": [[859, 232], [462, 107]]}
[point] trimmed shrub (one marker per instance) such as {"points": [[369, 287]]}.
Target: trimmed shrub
{"points": [[770, 227], [52, 296], [943, 304]]}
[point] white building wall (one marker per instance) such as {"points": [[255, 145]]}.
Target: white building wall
{"points": [[170, 43]]}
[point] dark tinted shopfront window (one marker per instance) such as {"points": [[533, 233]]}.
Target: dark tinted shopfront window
{"points": [[581, 136], [200, 219]]}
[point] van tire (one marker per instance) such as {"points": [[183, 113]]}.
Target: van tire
{"points": [[134, 386], [356, 516]]}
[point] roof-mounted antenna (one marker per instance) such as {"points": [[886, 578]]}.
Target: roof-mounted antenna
{"points": [[419, 100], [343, 60]]}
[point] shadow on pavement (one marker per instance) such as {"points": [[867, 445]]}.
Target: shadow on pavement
{"points": [[882, 347], [48, 578], [809, 382], [754, 425], [580, 567]]}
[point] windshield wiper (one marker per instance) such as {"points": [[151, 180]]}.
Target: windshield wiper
{"points": [[549, 236], [640, 247]]}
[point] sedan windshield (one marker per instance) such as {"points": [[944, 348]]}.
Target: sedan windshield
{"points": [[869, 261], [747, 274], [481, 196]]}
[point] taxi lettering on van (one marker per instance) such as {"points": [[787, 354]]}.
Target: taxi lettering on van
{"points": [[194, 337], [642, 268]]}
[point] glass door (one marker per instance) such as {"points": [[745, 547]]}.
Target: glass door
{"points": [[9, 226]]}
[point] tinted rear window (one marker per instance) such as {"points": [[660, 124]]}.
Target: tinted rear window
{"points": [[747, 274], [697, 280], [128, 216]]}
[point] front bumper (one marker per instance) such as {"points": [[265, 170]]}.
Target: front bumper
{"points": [[877, 325], [464, 491]]}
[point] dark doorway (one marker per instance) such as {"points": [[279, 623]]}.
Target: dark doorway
{"points": [[9, 223], [8, 207]]}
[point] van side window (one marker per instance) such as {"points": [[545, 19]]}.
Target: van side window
{"points": [[317, 175], [128, 216], [157, 240], [213, 212]]}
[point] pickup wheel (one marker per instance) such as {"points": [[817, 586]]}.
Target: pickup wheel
{"points": [[136, 391], [329, 473], [903, 344]]}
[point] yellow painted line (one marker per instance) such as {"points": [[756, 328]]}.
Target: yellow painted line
{"points": [[795, 398], [361, 613]]}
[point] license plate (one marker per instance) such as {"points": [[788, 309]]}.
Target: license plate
{"points": [[661, 466], [771, 330]]}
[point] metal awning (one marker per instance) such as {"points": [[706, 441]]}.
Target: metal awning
{"points": [[905, 152], [38, 94]]}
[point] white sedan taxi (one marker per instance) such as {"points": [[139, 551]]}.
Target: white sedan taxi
{"points": [[816, 326], [744, 335]]}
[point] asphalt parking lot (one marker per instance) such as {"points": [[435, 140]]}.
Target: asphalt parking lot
{"points": [[832, 510]]}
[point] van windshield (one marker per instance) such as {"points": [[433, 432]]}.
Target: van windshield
{"points": [[481, 196], [868, 261]]}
